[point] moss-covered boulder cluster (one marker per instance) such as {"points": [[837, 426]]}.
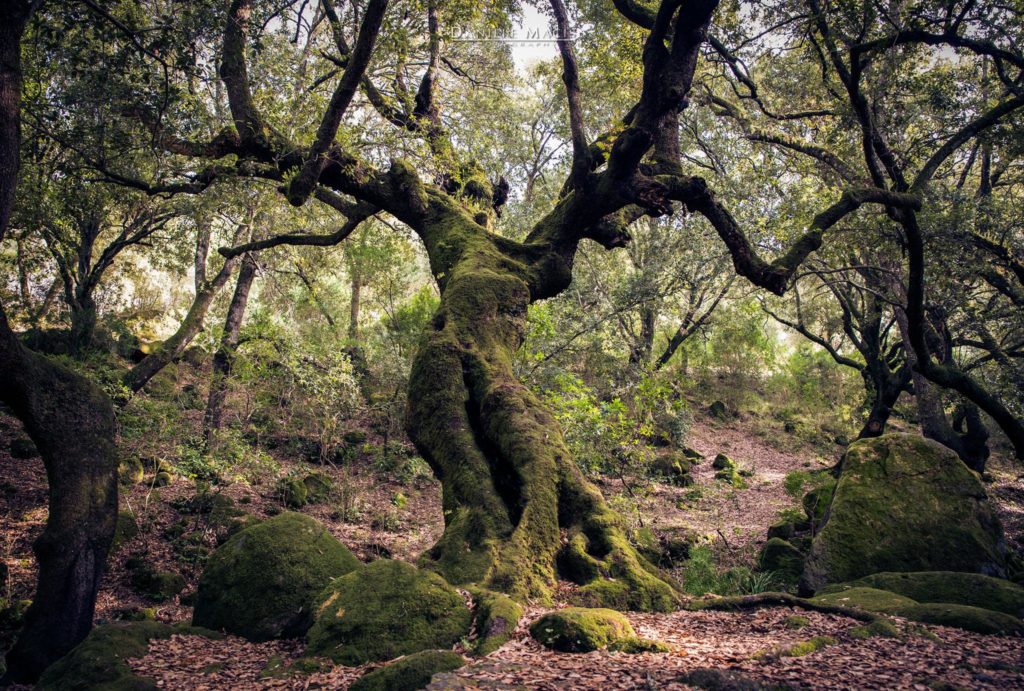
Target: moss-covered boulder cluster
{"points": [[905, 503], [907, 530], [264, 582], [674, 466]]}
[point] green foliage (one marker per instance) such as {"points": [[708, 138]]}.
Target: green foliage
{"points": [[702, 575]]}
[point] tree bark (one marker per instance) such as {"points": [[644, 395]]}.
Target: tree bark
{"points": [[510, 486], [224, 358], [72, 424]]}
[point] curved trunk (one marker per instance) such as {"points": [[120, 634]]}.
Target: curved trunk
{"points": [[515, 504], [72, 423], [884, 389]]}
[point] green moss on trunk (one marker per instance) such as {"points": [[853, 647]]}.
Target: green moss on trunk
{"points": [[510, 486]]}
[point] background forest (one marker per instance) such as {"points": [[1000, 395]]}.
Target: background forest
{"points": [[258, 355]]}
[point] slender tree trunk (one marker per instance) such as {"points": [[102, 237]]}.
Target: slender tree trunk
{"points": [[83, 322], [640, 354], [353, 308], [510, 487], [72, 424], [224, 358], [139, 375]]}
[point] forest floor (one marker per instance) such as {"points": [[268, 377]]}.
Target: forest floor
{"points": [[373, 522]]}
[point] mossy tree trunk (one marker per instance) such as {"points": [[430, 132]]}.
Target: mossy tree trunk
{"points": [[72, 424], [518, 512]]}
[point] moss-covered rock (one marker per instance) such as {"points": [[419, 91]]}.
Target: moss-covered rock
{"points": [[723, 462], [973, 589], [384, 610], [158, 586], [98, 662], [292, 492], [23, 447], [581, 630], [964, 617], [131, 470], [127, 528], [904, 503], [945, 614], [635, 646], [867, 599], [673, 467], [783, 559], [319, 488], [721, 680], [264, 581], [811, 645], [879, 628], [497, 616], [410, 673]]}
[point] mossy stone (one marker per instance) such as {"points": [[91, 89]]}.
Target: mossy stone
{"points": [[783, 559], [293, 492], [410, 673], [723, 462], [98, 662], [635, 646], [673, 467], [158, 586], [131, 471], [497, 616], [905, 503], [782, 530], [264, 581], [22, 448], [127, 528], [867, 599], [811, 645], [386, 609], [721, 680], [319, 487], [581, 630], [973, 589], [964, 617], [879, 628]]}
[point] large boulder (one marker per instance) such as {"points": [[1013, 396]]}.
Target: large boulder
{"points": [[264, 581], [100, 661], [386, 609], [905, 503]]}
